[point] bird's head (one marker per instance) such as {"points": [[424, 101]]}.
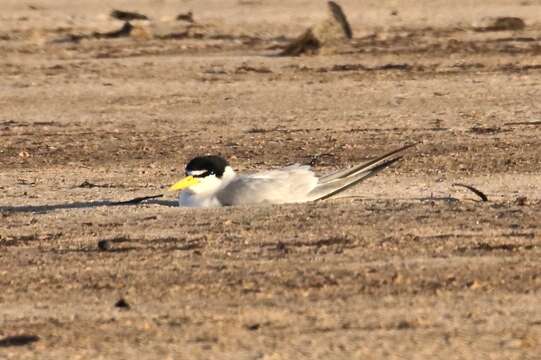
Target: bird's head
{"points": [[205, 174]]}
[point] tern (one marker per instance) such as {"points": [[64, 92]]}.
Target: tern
{"points": [[211, 182]]}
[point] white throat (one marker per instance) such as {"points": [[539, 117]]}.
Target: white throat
{"points": [[205, 193]]}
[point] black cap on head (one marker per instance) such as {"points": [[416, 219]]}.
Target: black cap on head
{"points": [[211, 165]]}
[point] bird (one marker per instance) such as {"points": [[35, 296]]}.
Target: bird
{"points": [[211, 182]]}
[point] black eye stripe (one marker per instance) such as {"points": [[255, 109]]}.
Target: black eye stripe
{"points": [[206, 173]]}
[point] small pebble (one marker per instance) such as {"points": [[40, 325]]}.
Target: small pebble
{"points": [[18, 340], [253, 326], [501, 23], [104, 245], [122, 304]]}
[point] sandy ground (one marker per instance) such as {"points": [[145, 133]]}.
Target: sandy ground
{"points": [[407, 266]]}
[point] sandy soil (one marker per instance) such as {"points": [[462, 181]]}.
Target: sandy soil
{"points": [[406, 266]]}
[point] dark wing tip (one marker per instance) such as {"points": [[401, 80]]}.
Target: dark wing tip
{"points": [[375, 170]]}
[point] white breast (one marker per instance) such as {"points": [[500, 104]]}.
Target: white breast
{"points": [[189, 199]]}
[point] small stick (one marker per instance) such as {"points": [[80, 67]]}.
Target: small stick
{"points": [[339, 16], [127, 15], [136, 200], [523, 123], [474, 190]]}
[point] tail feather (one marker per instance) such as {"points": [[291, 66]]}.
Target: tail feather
{"points": [[333, 187]]}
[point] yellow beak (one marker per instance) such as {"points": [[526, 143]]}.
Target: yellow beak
{"points": [[184, 183]]}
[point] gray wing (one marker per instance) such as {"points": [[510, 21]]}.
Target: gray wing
{"points": [[288, 185], [299, 184]]}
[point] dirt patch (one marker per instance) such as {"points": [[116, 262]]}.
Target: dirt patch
{"points": [[406, 263]]}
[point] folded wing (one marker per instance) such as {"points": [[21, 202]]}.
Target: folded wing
{"points": [[288, 185], [298, 183], [362, 167], [336, 186], [334, 183]]}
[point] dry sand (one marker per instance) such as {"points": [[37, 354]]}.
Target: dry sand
{"points": [[407, 267]]}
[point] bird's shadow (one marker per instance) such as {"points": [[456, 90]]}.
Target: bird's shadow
{"points": [[43, 209]]}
